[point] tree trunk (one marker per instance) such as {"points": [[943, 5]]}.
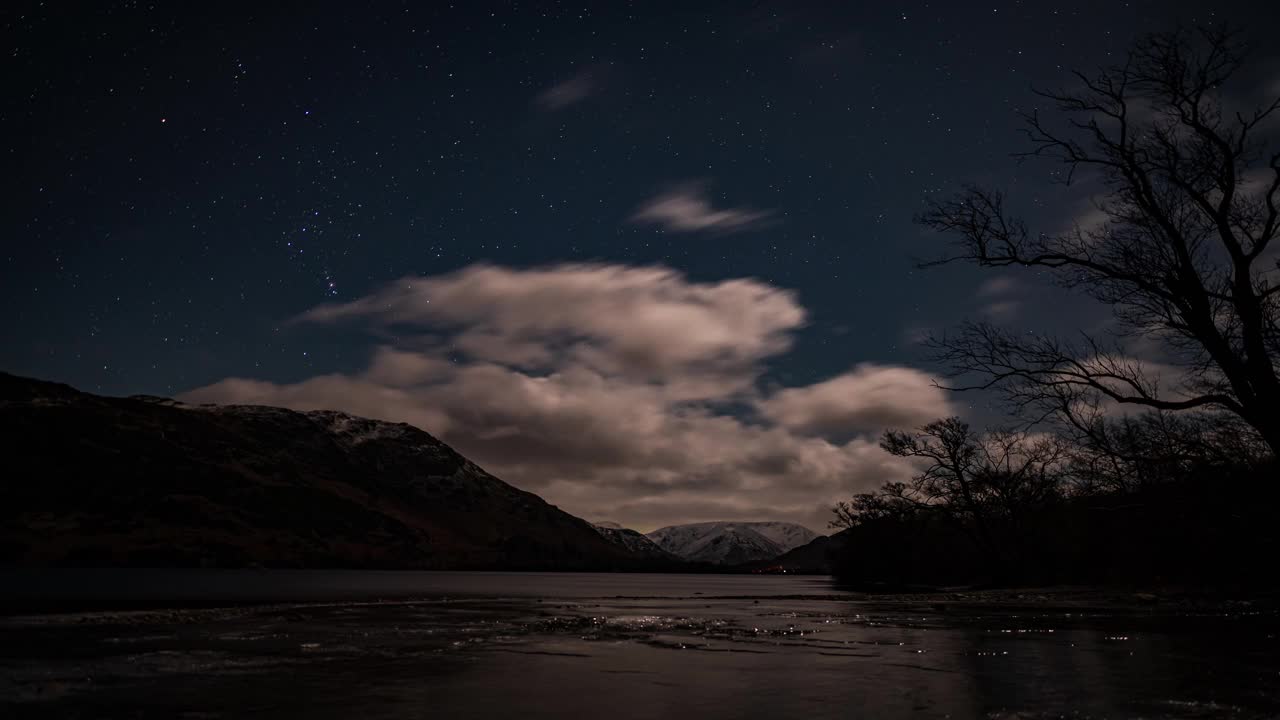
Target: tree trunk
{"points": [[1269, 427]]}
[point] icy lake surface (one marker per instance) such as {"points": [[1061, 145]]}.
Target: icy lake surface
{"points": [[478, 645]]}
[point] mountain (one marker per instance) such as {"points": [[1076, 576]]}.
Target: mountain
{"points": [[812, 557], [731, 543], [143, 481], [633, 541]]}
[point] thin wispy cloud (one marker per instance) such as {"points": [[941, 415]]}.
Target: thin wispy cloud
{"points": [[999, 285], [571, 90], [687, 208], [917, 334], [1002, 311], [999, 305]]}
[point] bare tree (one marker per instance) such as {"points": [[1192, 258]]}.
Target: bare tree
{"points": [[893, 501], [1185, 256], [1133, 451], [987, 483]]}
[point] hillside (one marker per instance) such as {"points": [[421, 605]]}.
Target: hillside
{"points": [[815, 556], [633, 541], [98, 481]]}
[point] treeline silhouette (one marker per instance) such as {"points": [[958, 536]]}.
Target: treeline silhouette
{"points": [[1016, 509], [1145, 452]]}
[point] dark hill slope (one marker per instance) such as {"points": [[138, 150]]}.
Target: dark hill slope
{"points": [[812, 557], [97, 481]]}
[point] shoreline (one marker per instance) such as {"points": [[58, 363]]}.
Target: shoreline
{"points": [[66, 591]]}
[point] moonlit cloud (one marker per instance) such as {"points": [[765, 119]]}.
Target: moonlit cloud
{"points": [[571, 90], [686, 208], [607, 389], [999, 306], [998, 285], [1002, 310], [640, 322], [917, 334], [1092, 220], [866, 399]]}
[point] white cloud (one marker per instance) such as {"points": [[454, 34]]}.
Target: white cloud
{"points": [[866, 399], [604, 387], [642, 322], [686, 208]]}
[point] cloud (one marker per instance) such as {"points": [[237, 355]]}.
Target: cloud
{"points": [[641, 322], [1256, 182], [1002, 311], [571, 90], [917, 334], [397, 368], [1085, 212], [629, 393], [999, 307], [686, 208], [869, 398], [1093, 222], [998, 285]]}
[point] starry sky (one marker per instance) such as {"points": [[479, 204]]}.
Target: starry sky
{"points": [[653, 261]]}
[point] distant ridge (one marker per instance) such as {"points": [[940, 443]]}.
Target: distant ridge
{"points": [[731, 543], [633, 541], [815, 556]]}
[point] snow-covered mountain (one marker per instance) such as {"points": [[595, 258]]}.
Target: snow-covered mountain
{"points": [[632, 541], [731, 543]]}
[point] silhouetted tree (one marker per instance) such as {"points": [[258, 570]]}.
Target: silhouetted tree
{"points": [[894, 501], [1186, 255], [986, 484], [1129, 452]]}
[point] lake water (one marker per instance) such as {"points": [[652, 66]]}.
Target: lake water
{"points": [[323, 644]]}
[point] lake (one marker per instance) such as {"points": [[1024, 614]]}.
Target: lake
{"points": [[342, 644]]}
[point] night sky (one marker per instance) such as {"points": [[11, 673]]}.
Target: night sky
{"points": [[652, 261]]}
